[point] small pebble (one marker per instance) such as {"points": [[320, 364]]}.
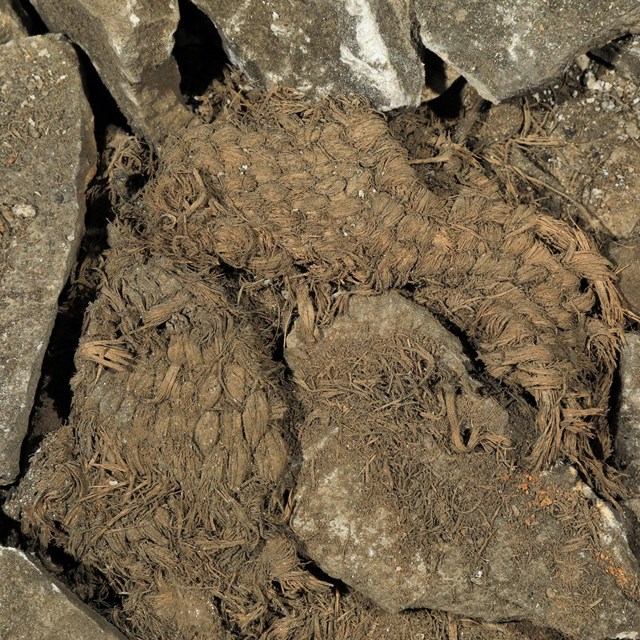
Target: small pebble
{"points": [[24, 211], [583, 62], [632, 130]]}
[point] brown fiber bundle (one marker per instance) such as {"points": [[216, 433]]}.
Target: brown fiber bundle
{"points": [[323, 196], [173, 477], [170, 484]]}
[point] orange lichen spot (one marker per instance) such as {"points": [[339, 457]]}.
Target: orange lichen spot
{"points": [[627, 583]]}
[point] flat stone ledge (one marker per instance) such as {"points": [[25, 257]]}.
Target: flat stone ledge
{"points": [[36, 606]]}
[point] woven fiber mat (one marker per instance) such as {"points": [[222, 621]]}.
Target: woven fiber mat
{"points": [[172, 481]]}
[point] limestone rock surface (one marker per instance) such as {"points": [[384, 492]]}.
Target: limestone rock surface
{"points": [[374, 47], [130, 44], [47, 158], [36, 606], [356, 46], [507, 47]]}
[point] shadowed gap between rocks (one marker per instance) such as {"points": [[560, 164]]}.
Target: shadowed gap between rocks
{"points": [[198, 51], [448, 104], [105, 109], [36, 25], [435, 77]]}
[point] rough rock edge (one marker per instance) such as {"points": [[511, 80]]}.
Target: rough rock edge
{"points": [[65, 608], [628, 24], [147, 88], [87, 157], [14, 23]]}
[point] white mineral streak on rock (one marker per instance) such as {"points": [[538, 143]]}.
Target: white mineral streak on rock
{"points": [[372, 61]]}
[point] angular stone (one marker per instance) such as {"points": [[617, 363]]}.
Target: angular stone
{"points": [[507, 47], [36, 606], [626, 256], [13, 21], [413, 519], [627, 442], [130, 45], [47, 157], [357, 46]]}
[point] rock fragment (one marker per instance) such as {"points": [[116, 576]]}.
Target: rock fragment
{"points": [[130, 45], [628, 426], [13, 21], [507, 47], [47, 157], [358, 46], [408, 491], [36, 606], [626, 256]]}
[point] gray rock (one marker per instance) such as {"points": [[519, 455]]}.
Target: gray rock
{"points": [[371, 47], [626, 256], [623, 55], [47, 157], [356, 46], [507, 47], [13, 21], [36, 606], [396, 512], [627, 60], [367, 47], [130, 45], [627, 442]]}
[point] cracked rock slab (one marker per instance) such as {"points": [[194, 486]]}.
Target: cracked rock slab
{"points": [[410, 493], [507, 47], [130, 44], [357, 46], [47, 157], [36, 606]]}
